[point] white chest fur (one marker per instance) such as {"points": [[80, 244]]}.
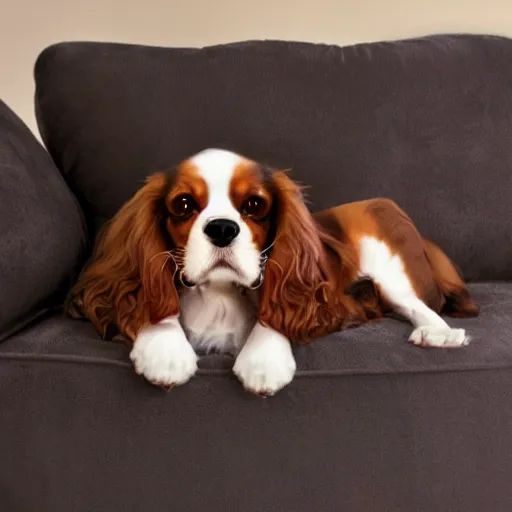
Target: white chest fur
{"points": [[217, 317]]}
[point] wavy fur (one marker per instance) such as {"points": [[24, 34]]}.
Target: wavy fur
{"points": [[128, 283]]}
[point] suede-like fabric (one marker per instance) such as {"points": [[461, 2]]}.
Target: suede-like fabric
{"points": [[377, 348], [369, 424], [427, 122], [42, 232]]}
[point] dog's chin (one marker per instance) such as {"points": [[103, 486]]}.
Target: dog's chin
{"points": [[222, 274]]}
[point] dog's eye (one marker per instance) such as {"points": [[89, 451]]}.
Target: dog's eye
{"points": [[255, 207], [183, 206]]}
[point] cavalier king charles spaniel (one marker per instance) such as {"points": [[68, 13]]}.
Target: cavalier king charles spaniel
{"points": [[222, 254]]}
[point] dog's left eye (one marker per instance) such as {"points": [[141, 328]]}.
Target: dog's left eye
{"points": [[183, 206], [254, 207]]}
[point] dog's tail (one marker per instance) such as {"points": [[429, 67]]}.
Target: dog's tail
{"points": [[458, 302]]}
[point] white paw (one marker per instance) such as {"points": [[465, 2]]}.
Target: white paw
{"points": [[265, 363], [164, 356], [439, 337]]}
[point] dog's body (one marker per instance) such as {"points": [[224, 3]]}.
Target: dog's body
{"points": [[215, 289]]}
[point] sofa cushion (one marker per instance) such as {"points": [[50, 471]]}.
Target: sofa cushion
{"points": [[427, 122], [42, 235], [370, 423], [378, 348]]}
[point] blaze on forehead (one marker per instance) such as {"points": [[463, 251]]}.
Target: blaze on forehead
{"points": [[262, 171]]}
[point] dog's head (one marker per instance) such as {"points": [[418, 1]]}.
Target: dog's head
{"points": [[215, 218], [220, 215]]}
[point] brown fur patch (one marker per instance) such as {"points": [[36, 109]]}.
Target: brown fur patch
{"points": [[187, 182], [248, 181], [383, 220], [397, 230], [458, 302]]}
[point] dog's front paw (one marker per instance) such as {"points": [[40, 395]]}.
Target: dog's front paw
{"points": [[164, 356], [438, 337], [265, 363]]}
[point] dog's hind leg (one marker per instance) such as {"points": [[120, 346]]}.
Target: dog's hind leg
{"points": [[458, 302], [387, 271]]}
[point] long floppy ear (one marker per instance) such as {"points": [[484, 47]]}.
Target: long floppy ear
{"points": [[129, 282], [295, 276]]}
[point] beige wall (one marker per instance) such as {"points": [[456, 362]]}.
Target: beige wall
{"points": [[27, 26]]}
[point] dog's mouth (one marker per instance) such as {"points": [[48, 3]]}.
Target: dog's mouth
{"points": [[221, 270], [223, 264]]}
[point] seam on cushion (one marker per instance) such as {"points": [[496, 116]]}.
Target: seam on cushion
{"points": [[417, 371], [36, 358], [62, 359]]}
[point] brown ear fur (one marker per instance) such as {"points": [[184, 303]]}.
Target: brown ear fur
{"points": [[128, 283], [293, 292]]}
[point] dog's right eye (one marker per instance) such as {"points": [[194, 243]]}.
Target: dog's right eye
{"points": [[183, 206], [255, 207]]}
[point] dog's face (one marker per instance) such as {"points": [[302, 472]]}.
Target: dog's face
{"points": [[220, 207]]}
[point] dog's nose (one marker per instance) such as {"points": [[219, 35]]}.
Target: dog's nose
{"points": [[222, 231]]}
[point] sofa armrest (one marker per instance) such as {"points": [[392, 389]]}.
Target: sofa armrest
{"points": [[42, 232]]}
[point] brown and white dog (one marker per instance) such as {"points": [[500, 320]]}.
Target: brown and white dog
{"points": [[222, 254]]}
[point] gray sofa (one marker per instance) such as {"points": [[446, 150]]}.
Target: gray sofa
{"points": [[370, 423]]}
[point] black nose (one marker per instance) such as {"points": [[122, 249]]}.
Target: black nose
{"points": [[222, 231]]}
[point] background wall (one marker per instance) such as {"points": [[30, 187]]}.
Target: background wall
{"points": [[27, 26]]}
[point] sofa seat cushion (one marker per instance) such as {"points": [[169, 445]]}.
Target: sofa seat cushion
{"points": [[413, 430], [378, 348]]}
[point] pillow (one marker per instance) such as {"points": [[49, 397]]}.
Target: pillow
{"points": [[42, 232], [426, 122]]}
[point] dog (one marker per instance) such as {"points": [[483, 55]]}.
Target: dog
{"points": [[222, 254]]}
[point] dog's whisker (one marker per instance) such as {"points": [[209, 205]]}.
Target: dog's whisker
{"points": [[177, 259], [176, 268], [158, 254], [174, 259], [275, 263], [164, 263], [264, 252]]}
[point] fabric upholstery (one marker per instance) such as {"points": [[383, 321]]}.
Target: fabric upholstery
{"points": [[42, 235], [369, 424], [378, 348], [426, 122]]}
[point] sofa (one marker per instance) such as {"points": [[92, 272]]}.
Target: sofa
{"points": [[370, 423]]}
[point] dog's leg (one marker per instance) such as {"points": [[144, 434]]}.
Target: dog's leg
{"points": [[387, 271], [431, 330], [266, 363], [458, 300], [163, 354]]}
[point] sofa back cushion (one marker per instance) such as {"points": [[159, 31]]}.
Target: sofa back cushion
{"points": [[427, 122], [42, 232]]}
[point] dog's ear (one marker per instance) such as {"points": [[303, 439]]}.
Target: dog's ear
{"points": [[293, 287], [130, 279]]}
